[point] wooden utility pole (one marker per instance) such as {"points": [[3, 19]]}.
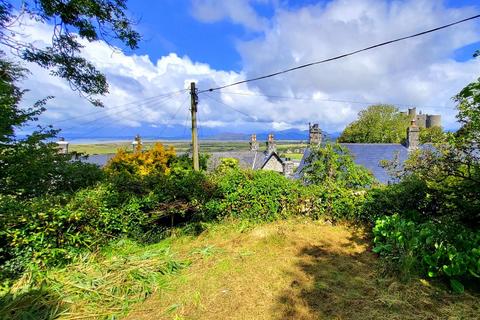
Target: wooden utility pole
{"points": [[193, 109]]}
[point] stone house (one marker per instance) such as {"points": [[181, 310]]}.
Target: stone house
{"points": [[370, 155], [256, 159]]}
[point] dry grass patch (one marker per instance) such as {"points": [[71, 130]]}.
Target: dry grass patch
{"points": [[296, 269]]}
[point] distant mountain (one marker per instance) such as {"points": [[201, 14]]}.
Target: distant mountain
{"points": [[227, 136], [290, 134], [113, 132]]}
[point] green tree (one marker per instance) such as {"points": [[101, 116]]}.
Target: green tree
{"points": [[432, 135], [450, 171], [333, 164], [31, 166], [377, 124], [71, 21]]}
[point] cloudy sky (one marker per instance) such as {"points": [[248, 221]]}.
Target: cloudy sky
{"points": [[216, 42]]}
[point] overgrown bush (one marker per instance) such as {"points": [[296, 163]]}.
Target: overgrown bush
{"points": [[333, 164], [258, 196], [433, 248], [51, 231], [408, 196]]}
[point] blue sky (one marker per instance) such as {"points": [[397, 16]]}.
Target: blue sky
{"points": [[168, 26], [215, 42]]}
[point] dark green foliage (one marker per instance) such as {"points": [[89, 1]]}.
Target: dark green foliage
{"points": [[438, 197], [185, 162], [407, 196], [337, 182], [338, 203], [32, 166], [30, 169], [74, 19], [51, 231], [433, 248]]}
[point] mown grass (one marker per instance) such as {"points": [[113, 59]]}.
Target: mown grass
{"points": [[292, 269], [295, 269], [104, 285]]}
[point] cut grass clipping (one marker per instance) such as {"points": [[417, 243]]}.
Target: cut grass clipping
{"points": [[98, 286]]}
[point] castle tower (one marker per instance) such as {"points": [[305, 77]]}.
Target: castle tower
{"points": [[254, 143], [413, 136], [421, 120], [271, 146], [434, 120], [314, 134]]}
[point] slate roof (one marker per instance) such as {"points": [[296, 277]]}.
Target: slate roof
{"points": [[369, 155], [247, 159], [98, 159]]}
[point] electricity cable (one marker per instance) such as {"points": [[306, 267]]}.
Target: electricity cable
{"points": [[104, 109], [118, 113], [342, 55], [328, 100], [95, 130], [229, 106]]}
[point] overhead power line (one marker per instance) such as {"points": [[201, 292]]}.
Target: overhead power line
{"points": [[233, 108], [169, 122], [328, 100], [119, 113], [140, 101], [98, 127], [342, 55]]}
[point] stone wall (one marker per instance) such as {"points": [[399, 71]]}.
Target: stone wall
{"points": [[273, 165]]}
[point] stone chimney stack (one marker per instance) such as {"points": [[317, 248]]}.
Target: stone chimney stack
{"points": [[62, 146], [288, 168], [254, 143], [413, 136], [137, 143], [314, 134], [271, 146]]}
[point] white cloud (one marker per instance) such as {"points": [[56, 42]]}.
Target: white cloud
{"points": [[419, 72], [237, 11]]}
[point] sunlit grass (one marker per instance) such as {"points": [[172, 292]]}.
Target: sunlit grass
{"points": [[294, 269], [104, 285]]}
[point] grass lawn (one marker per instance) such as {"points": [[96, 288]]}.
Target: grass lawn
{"points": [[296, 269], [294, 156]]}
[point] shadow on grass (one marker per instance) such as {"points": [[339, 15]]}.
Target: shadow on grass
{"points": [[37, 304], [337, 284]]}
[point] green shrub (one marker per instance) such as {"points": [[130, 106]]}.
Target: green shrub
{"points": [[227, 164], [51, 231], [408, 196], [436, 249], [333, 164], [338, 203], [257, 196]]}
